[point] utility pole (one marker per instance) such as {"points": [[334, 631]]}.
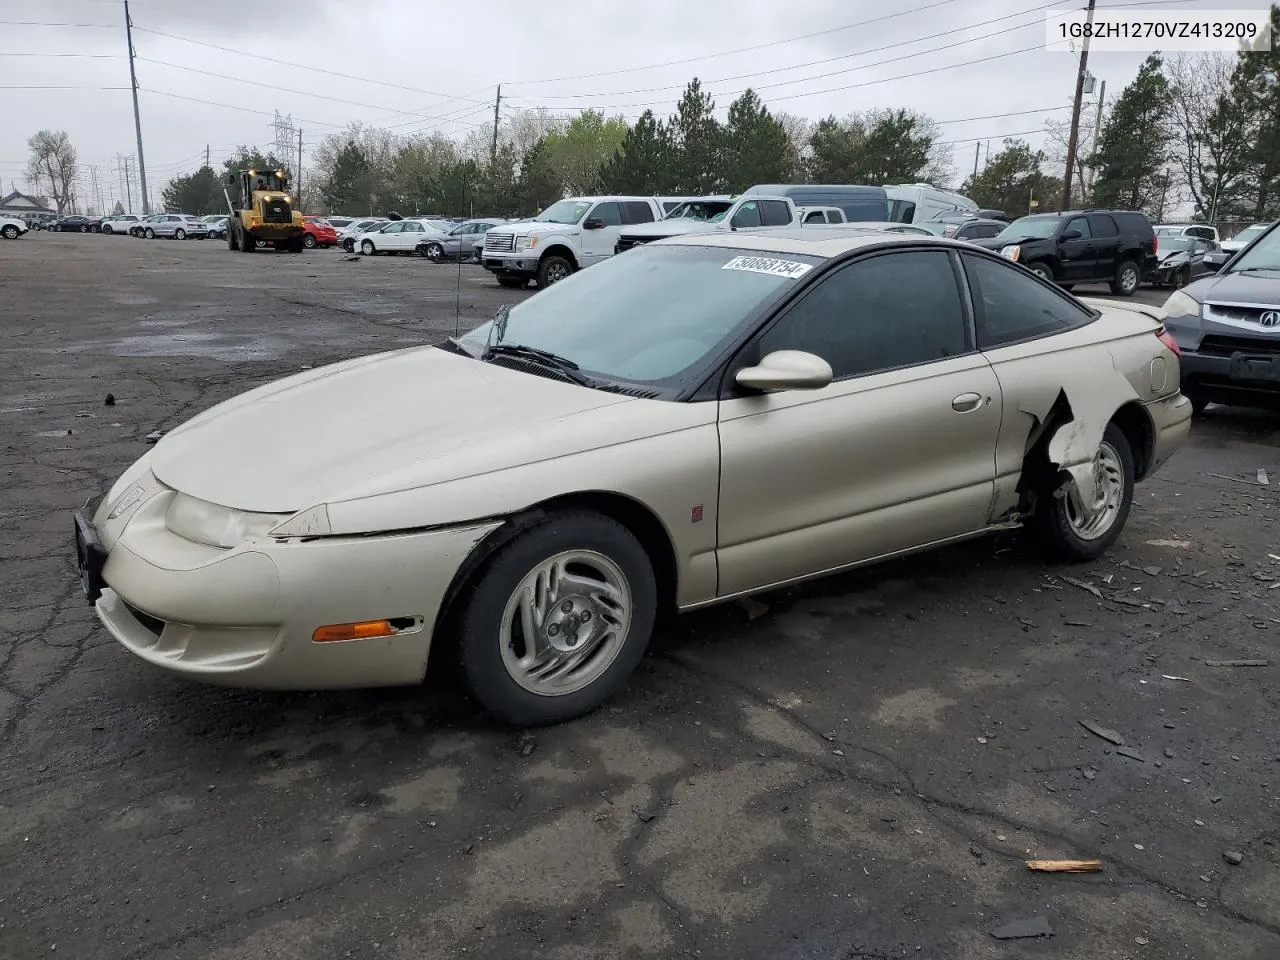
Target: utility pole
{"points": [[137, 119], [206, 155], [1097, 132], [1073, 140], [977, 149], [297, 178], [497, 103]]}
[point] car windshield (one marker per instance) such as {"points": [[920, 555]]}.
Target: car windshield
{"points": [[1263, 255], [1030, 228], [1175, 244], [699, 210], [658, 315], [566, 211], [1247, 234]]}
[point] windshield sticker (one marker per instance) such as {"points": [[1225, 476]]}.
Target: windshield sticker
{"points": [[775, 268]]}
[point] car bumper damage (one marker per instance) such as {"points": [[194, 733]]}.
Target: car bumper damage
{"points": [[313, 614]]}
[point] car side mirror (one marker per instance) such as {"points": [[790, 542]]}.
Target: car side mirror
{"points": [[786, 370], [593, 223], [1071, 235]]}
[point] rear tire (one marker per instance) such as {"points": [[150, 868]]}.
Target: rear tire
{"points": [[368, 249], [1126, 280], [149, 234], [434, 252], [1063, 536], [179, 234], [617, 590]]}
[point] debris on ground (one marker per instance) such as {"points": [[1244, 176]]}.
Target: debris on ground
{"points": [[1237, 663], [1171, 544], [1169, 676], [754, 608], [1109, 735], [1023, 929], [1131, 754], [1263, 478], [1065, 866], [350, 259], [1152, 571], [1083, 586], [1252, 483], [1233, 857], [154, 435], [110, 401]]}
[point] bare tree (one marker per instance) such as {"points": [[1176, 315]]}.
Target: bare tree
{"points": [[1057, 137], [1212, 133], [53, 162], [520, 130], [799, 129]]}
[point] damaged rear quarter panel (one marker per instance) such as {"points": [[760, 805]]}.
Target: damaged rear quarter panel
{"points": [[1091, 372]]}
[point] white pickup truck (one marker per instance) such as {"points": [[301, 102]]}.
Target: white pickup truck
{"points": [[725, 213], [567, 236]]}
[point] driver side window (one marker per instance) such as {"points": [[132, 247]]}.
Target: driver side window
{"points": [[608, 212], [748, 215], [1081, 226], [888, 311]]}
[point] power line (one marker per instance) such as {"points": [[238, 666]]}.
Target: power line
{"points": [[47, 23], [85, 56], [758, 46], [302, 66], [846, 56], [279, 89], [69, 87]]}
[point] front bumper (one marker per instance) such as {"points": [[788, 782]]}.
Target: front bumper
{"points": [[1242, 371], [519, 263], [245, 617]]}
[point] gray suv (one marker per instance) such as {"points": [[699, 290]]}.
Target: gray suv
{"points": [[1227, 327], [178, 226]]}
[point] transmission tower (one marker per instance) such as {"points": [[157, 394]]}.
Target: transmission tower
{"points": [[286, 136]]}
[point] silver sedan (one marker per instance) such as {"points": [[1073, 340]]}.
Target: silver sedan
{"points": [[460, 242]]}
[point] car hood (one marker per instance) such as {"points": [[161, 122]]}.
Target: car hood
{"points": [[1174, 257], [1259, 288], [382, 423], [670, 228]]}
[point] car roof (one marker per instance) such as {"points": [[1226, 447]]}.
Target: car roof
{"points": [[829, 242]]}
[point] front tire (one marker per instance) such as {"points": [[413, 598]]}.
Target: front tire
{"points": [[309, 241], [1041, 270], [434, 252], [10, 232], [557, 620], [368, 249], [149, 234], [1126, 279], [553, 269], [1068, 534]]}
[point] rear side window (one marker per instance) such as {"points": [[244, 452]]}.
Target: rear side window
{"points": [[775, 213], [903, 211], [1134, 224], [1011, 305], [636, 211], [1104, 225], [813, 216]]}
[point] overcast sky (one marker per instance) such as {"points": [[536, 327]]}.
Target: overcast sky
{"points": [[436, 66]]}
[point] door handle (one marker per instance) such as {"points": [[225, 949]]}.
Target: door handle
{"points": [[966, 403]]}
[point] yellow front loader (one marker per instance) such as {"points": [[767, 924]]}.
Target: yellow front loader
{"points": [[266, 213]]}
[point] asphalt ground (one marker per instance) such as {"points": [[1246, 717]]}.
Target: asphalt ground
{"points": [[859, 767]]}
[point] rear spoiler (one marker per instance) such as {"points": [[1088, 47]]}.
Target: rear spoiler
{"points": [[1153, 313]]}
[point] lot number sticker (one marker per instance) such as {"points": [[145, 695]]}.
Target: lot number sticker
{"points": [[775, 268]]}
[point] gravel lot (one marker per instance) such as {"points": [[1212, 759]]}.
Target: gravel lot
{"points": [[856, 768]]}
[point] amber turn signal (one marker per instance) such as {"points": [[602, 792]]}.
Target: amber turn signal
{"points": [[354, 631]]}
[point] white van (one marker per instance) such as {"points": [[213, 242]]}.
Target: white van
{"points": [[914, 202]]}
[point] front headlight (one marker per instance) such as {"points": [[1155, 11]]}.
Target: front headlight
{"points": [[1013, 252], [1182, 304], [214, 525], [526, 243]]}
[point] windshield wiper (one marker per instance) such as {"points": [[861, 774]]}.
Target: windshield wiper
{"points": [[545, 358], [1274, 266]]}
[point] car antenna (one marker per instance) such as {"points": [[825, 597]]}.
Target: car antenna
{"points": [[457, 295]]}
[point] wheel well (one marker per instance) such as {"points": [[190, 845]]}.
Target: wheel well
{"points": [[643, 524], [559, 251], [1135, 423]]}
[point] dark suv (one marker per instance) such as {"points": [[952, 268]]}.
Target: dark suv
{"points": [[1082, 246]]}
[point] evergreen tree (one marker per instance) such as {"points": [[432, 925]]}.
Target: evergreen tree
{"points": [[640, 166], [1014, 182], [696, 142], [198, 194], [346, 191], [1133, 147], [1257, 78], [756, 146]]}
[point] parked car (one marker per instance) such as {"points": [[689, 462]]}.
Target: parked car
{"points": [[339, 223], [1082, 246], [217, 224], [1181, 260], [565, 237], [726, 214], [11, 228], [71, 224], [1227, 326], [139, 229], [961, 227], [1201, 231], [119, 223], [40, 221], [1217, 259], [318, 233], [913, 202], [622, 444], [347, 235], [857, 202], [399, 236], [175, 226], [459, 243]]}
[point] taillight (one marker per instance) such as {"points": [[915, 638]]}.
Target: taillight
{"points": [[1167, 339]]}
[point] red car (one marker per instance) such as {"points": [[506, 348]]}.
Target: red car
{"points": [[319, 233]]}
